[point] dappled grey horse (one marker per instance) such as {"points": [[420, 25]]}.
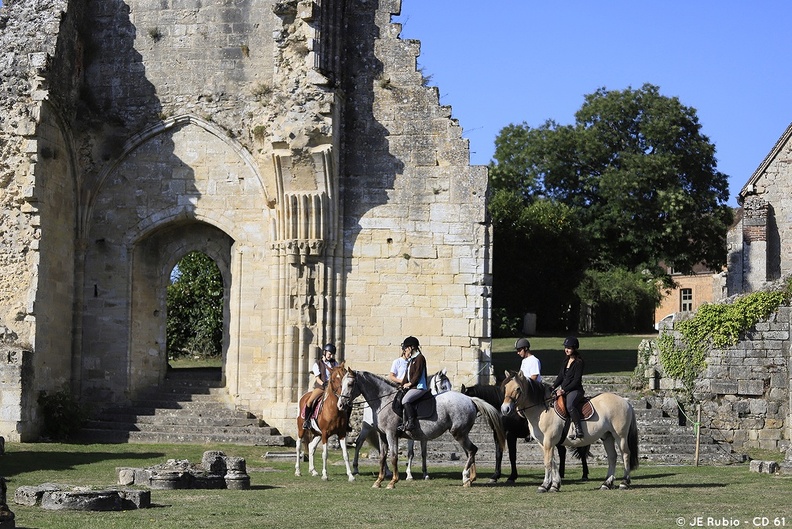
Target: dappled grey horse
{"points": [[454, 412], [438, 383]]}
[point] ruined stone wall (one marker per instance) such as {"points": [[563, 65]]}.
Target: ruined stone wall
{"points": [[415, 218], [293, 141], [744, 390], [764, 252]]}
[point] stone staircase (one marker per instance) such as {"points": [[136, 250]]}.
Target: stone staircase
{"points": [[191, 406], [661, 439]]}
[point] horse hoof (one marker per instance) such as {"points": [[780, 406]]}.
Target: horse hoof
{"points": [[553, 489], [376, 485], [427, 478], [604, 487], [584, 478], [541, 489], [391, 486], [408, 478], [351, 478], [624, 486], [314, 473], [324, 478], [511, 481]]}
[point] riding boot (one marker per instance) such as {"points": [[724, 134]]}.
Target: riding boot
{"points": [[409, 417], [574, 415], [308, 412]]}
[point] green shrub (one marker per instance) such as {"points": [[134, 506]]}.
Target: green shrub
{"points": [[62, 413]]}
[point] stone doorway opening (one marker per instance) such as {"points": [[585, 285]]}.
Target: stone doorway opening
{"points": [[155, 258], [194, 324]]}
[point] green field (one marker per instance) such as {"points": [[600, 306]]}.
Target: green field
{"points": [[615, 354], [661, 496]]}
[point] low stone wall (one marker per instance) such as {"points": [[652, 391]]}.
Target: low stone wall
{"points": [[744, 390]]}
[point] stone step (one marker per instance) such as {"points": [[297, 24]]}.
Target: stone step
{"points": [[184, 409]]}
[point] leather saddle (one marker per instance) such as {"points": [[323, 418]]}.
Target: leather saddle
{"points": [[586, 408], [426, 406]]}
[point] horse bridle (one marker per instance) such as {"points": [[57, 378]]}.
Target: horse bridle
{"points": [[351, 374], [517, 409]]}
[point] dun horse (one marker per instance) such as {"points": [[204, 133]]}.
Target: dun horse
{"points": [[330, 421], [516, 427], [453, 412], [438, 383], [613, 420]]}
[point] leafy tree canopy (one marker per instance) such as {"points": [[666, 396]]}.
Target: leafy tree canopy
{"points": [[588, 211], [636, 168], [195, 307]]}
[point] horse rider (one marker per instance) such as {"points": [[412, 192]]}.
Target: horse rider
{"points": [[321, 371], [569, 383], [530, 365], [415, 381]]}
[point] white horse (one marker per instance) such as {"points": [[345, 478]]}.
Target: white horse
{"points": [[613, 420], [453, 412], [438, 383]]}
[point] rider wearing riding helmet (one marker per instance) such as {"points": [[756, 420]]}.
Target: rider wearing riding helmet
{"points": [[569, 383], [415, 380], [321, 371]]}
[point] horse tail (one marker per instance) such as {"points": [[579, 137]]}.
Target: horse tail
{"points": [[580, 452], [493, 417], [632, 440]]}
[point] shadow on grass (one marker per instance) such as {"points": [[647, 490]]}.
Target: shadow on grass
{"points": [[25, 461]]}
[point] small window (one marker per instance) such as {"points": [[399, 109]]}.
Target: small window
{"points": [[686, 300]]}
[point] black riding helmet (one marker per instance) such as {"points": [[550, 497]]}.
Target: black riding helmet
{"points": [[329, 347], [410, 341], [571, 342]]}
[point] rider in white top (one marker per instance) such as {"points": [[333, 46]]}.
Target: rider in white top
{"points": [[530, 366]]}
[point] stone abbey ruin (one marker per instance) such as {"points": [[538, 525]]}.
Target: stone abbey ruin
{"points": [[293, 142]]}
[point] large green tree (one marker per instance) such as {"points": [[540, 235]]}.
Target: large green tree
{"points": [[195, 307], [638, 172]]}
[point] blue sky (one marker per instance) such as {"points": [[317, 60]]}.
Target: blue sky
{"points": [[514, 61]]}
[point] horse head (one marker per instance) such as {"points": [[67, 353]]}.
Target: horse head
{"points": [[348, 390], [521, 393], [336, 377], [440, 382]]}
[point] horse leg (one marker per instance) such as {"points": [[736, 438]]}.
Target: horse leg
{"points": [[552, 481], [393, 448], [423, 460], [561, 459], [300, 445], [583, 451], [498, 459], [365, 430], [410, 457], [469, 472], [511, 442], [311, 451], [610, 449], [383, 456], [324, 458], [624, 446], [345, 453]]}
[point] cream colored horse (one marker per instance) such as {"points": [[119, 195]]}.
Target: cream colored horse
{"points": [[613, 420]]}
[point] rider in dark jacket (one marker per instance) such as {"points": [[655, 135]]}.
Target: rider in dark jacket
{"points": [[569, 383]]}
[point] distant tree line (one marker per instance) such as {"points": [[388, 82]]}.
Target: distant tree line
{"points": [[584, 214]]}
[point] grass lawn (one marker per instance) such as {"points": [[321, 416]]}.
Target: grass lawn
{"points": [[662, 496], [615, 354]]}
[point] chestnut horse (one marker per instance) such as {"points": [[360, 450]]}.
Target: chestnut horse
{"points": [[613, 420], [330, 421]]}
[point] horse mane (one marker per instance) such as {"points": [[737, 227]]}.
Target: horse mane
{"points": [[485, 392], [535, 391]]}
